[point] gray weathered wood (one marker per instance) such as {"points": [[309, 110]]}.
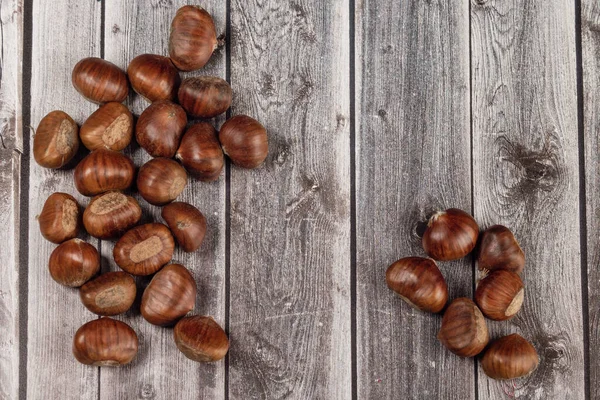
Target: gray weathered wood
{"points": [[526, 177], [161, 371], [413, 158], [290, 218], [64, 31]]}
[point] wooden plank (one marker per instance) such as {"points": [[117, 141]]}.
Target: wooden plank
{"points": [[413, 158], [161, 371], [525, 161], [64, 31], [290, 219]]}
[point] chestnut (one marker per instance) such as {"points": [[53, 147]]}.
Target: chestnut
{"points": [[154, 77], [59, 219], [187, 224], [419, 282], [103, 170], [111, 293], [463, 331], [201, 338], [74, 262], [193, 38], [205, 96], [500, 295], [160, 127], [105, 342], [509, 357], [110, 214], [244, 140], [450, 235], [109, 127], [170, 295], [56, 140], [100, 81], [200, 152], [500, 250], [161, 180], [144, 249]]}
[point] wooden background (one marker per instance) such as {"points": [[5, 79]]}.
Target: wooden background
{"points": [[379, 113]]}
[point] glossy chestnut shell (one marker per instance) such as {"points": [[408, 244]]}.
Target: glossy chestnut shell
{"points": [[109, 127], [464, 331], [161, 180], [56, 140], [500, 250], [187, 224], [201, 339], [200, 152], [144, 249], [205, 96], [154, 77], [111, 293], [160, 127], [500, 295], [244, 140], [450, 235], [105, 342], [111, 214], [59, 219], [103, 170], [509, 357], [74, 262], [100, 81], [193, 38]]}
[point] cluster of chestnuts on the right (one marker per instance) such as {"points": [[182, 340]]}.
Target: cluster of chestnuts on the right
{"points": [[451, 235]]}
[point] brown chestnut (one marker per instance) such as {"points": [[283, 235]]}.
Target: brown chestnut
{"points": [[170, 295], [450, 235], [160, 127], [56, 140], [109, 127], [193, 38], [419, 282], [105, 342], [154, 77], [59, 219], [500, 295], [161, 180], [100, 81], [205, 96], [200, 152], [187, 224], [201, 339], [110, 214], [111, 293], [509, 357], [244, 140], [463, 331], [500, 250], [103, 170], [74, 262], [144, 249]]}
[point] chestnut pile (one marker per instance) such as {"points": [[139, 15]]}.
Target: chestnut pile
{"points": [[106, 175], [450, 235]]}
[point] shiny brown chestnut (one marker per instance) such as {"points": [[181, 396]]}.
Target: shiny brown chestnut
{"points": [[244, 140], [103, 170], [193, 38], [187, 224], [161, 180], [463, 331], [509, 357], [56, 140], [110, 214], [111, 293], [500, 295], [74, 262], [201, 339], [154, 77], [109, 127], [450, 235], [59, 219], [105, 342], [419, 282], [144, 249], [100, 81], [160, 127], [205, 96], [200, 152], [170, 295], [500, 250]]}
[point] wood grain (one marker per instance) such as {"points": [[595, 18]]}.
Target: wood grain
{"points": [[161, 371], [412, 159], [64, 31], [525, 162]]}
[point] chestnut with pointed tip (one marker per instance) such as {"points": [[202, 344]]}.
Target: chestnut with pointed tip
{"points": [[105, 342], [200, 152], [450, 235], [103, 170], [419, 282], [244, 140], [109, 127], [187, 224], [500, 250], [509, 357], [160, 127], [201, 339], [500, 295], [463, 330], [205, 96], [111, 293], [193, 38], [154, 77], [111, 214], [144, 249], [59, 219], [161, 180], [74, 262], [56, 140], [100, 81]]}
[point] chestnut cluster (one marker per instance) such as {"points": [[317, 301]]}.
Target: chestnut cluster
{"points": [[451, 235], [106, 175]]}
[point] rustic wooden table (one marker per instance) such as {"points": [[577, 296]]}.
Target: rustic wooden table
{"points": [[379, 112]]}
